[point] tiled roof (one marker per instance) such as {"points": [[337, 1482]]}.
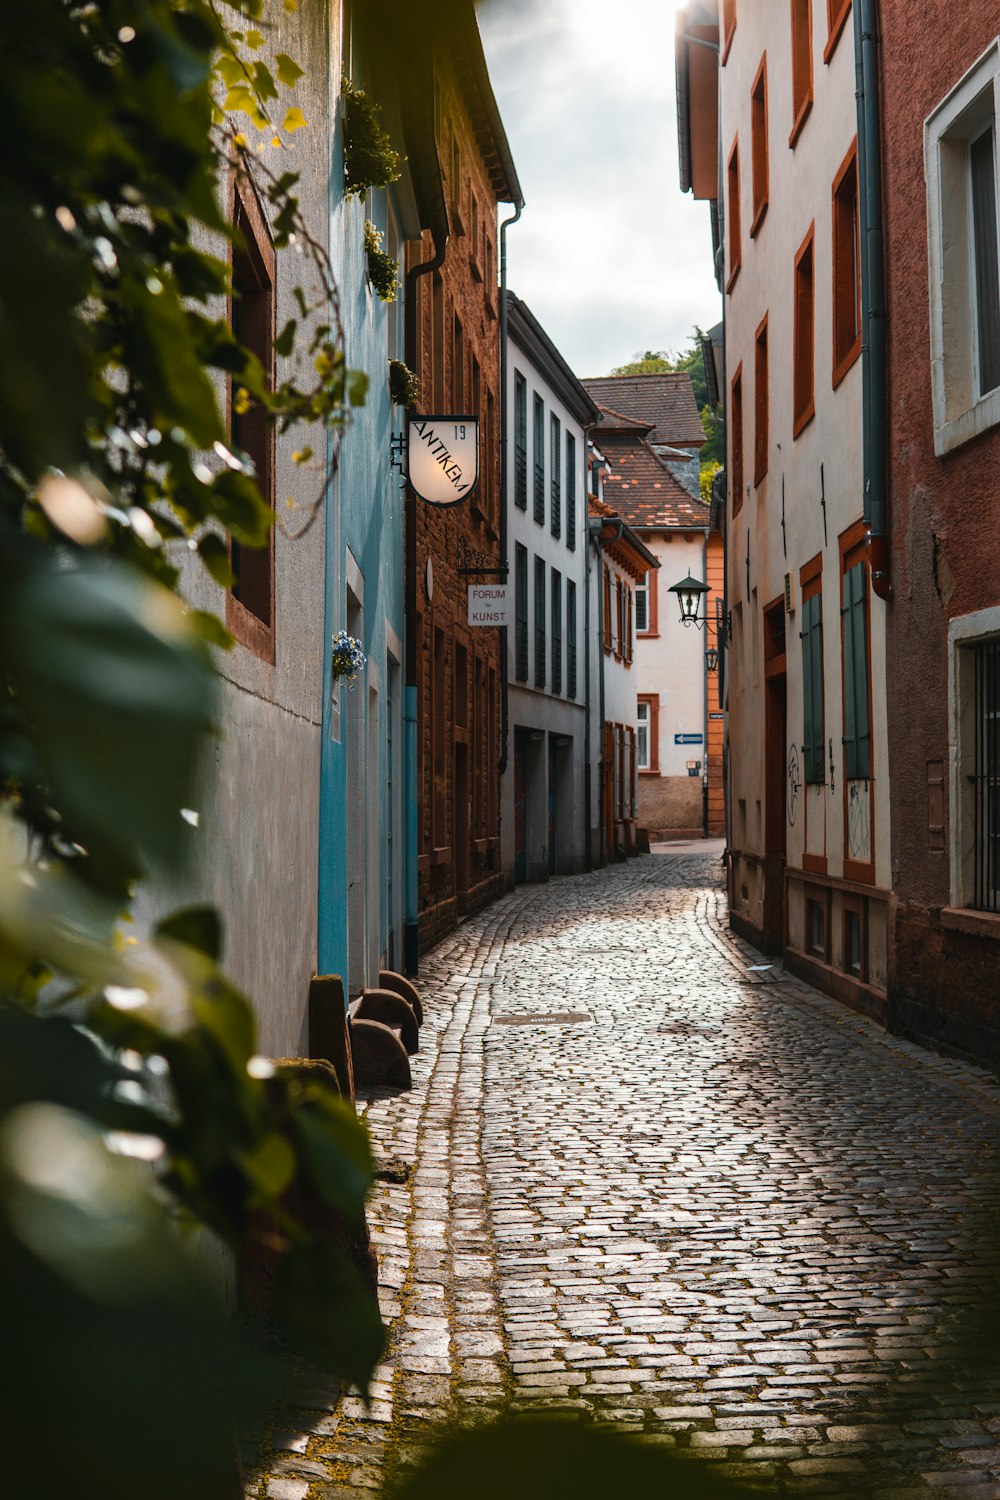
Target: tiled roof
{"points": [[643, 490], [665, 401], [617, 421]]}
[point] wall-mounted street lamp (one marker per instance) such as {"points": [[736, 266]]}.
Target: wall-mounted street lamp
{"points": [[711, 659], [690, 592]]}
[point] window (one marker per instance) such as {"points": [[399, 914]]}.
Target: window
{"points": [[570, 638], [804, 406], [556, 631], [555, 464], [539, 622], [735, 236], [571, 492], [857, 730], [520, 441], [489, 460], [813, 719], [985, 267], [760, 398], [250, 604], [474, 239], [456, 186], [642, 605], [642, 734], [539, 441], [836, 15], [854, 942], [736, 441], [816, 928], [608, 642], [458, 366], [437, 342], [619, 641], [629, 625], [802, 78], [846, 267], [728, 26], [960, 144], [520, 612], [648, 732], [758, 142], [439, 720], [986, 776]]}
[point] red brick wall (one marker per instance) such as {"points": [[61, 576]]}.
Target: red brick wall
{"points": [[462, 872], [945, 541]]}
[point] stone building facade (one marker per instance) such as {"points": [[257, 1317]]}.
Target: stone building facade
{"points": [[454, 672]]}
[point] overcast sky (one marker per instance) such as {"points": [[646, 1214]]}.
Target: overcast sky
{"points": [[609, 255]]}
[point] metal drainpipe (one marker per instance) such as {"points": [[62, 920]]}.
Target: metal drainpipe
{"points": [[411, 892], [504, 635], [704, 673], [595, 541], [588, 743], [873, 308]]}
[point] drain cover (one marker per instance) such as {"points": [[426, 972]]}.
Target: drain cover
{"points": [[552, 1018]]}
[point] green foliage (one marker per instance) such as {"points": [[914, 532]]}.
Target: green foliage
{"points": [[113, 1044], [692, 361], [404, 383], [369, 157], [383, 271], [705, 478]]}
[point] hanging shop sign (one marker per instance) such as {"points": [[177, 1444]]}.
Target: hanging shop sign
{"points": [[489, 604], [442, 458]]}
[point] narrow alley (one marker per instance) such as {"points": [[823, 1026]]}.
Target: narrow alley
{"points": [[653, 1179]]}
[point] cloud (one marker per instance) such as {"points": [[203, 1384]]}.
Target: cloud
{"points": [[610, 255]]}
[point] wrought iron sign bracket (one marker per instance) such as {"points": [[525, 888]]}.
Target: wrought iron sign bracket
{"points": [[397, 451]]}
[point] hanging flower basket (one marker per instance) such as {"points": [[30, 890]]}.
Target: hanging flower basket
{"points": [[404, 384], [348, 659], [369, 157], [383, 271]]}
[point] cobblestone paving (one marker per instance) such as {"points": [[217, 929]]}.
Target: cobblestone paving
{"points": [[677, 1193]]}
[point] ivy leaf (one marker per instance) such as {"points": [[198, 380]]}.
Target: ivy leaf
{"points": [[255, 39], [197, 927], [357, 387], [101, 647], [336, 1149], [289, 71], [211, 629], [331, 1313], [264, 81], [285, 342], [215, 555], [270, 1165], [241, 509], [294, 119]]}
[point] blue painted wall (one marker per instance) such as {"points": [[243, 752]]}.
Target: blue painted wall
{"points": [[365, 516]]}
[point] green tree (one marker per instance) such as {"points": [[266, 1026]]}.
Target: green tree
{"points": [[691, 360]]}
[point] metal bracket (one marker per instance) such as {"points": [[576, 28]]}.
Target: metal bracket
{"points": [[474, 564], [397, 452]]}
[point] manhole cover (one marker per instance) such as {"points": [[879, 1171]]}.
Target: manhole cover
{"points": [[552, 1018]]}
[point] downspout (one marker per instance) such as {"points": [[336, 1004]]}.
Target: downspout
{"points": [[411, 884], [588, 742], [504, 562], [704, 673], [595, 541], [873, 308]]}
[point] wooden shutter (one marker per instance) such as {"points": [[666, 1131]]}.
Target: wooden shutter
{"points": [[814, 727], [857, 733]]}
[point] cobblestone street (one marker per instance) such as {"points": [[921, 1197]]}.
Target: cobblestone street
{"points": [[655, 1182]]}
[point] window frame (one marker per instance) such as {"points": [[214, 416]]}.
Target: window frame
{"points": [[521, 612], [556, 632], [520, 441], [804, 335], [729, 19], [538, 455], [759, 142], [734, 231], [959, 413], [802, 60], [571, 490], [811, 587], [541, 643], [854, 554], [966, 634], [836, 15], [761, 403], [846, 284], [572, 686], [555, 475], [651, 702], [736, 444]]}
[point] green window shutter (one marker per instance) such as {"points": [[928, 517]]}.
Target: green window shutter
{"points": [[857, 733], [814, 728]]}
